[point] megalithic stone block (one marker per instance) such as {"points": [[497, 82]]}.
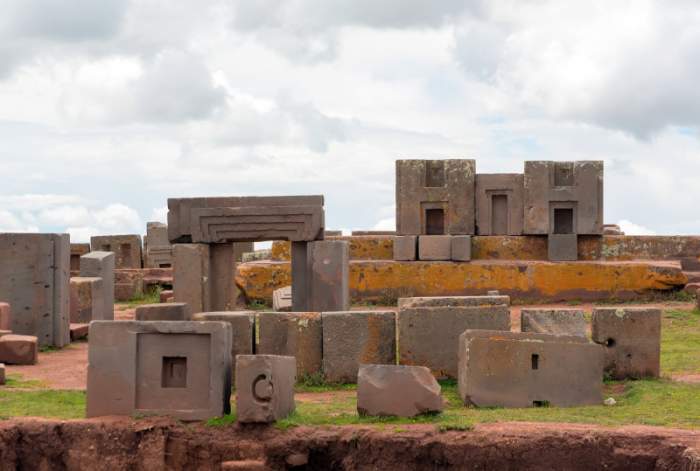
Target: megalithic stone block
{"points": [[429, 328], [191, 283], [242, 328], [101, 265], [181, 369], [282, 299], [354, 338], [435, 247], [405, 248], [514, 369], [553, 321], [5, 316], [297, 334], [163, 312], [461, 248], [397, 390], [300, 277], [562, 247], [632, 341], [126, 248], [86, 302], [19, 349], [77, 251], [499, 204], [264, 387], [328, 276]]}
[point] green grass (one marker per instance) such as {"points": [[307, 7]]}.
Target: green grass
{"points": [[680, 342], [150, 297], [42, 403], [257, 305], [17, 382]]}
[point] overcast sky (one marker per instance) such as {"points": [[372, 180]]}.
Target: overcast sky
{"points": [[109, 107]]}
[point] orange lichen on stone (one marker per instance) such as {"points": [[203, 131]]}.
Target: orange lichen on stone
{"points": [[385, 281]]}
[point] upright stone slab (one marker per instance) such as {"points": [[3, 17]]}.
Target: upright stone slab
{"points": [[297, 334], [435, 197], [86, 302], [397, 390], [77, 251], [101, 265], [435, 247], [19, 349], [264, 388], [354, 338], [499, 204], [5, 316], [126, 248], [429, 328], [514, 369], [632, 341], [282, 299], [405, 248], [553, 321], [181, 369], [242, 328], [328, 270], [562, 247], [163, 312], [159, 252], [461, 248], [34, 280], [191, 282]]}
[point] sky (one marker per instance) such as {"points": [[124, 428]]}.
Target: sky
{"points": [[109, 108]]}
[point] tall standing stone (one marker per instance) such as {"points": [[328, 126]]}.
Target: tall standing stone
{"points": [[101, 265]]}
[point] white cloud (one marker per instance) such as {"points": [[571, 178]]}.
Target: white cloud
{"points": [[630, 228]]}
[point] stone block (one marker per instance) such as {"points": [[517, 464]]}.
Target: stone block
{"points": [[435, 197], [126, 248], [499, 204], [282, 299], [405, 248], [5, 316], [5, 332], [159, 256], [373, 233], [2, 374], [34, 280], [163, 312], [77, 251], [632, 341], [397, 390], [429, 328], [242, 328], [297, 334], [354, 338], [690, 264], [562, 247], [19, 349], [461, 248], [166, 296], [86, 303], [435, 247], [181, 369], [191, 276], [101, 265], [327, 266], [514, 369], [128, 285], [79, 331], [553, 321], [300, 276], [264, 387]]}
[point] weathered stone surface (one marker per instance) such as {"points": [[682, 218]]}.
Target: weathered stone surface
{"points": [[79, 331], [245, 219], [361, 248], [574, 189], [128, 284], [435, 197], [691, 264], [282, 299], [632, 341], [354, 338], [126, 248], [612, 229], [380, 281], [5, 316], [435, 247], [77, 251], [397, 390], [101, 265], [191, 276], [553, 321], [562, 247], [461, 248], [166, 296], [264, 387], [181, 369], [429, 328], [163, 312], [513, 369], [157, 248], [405, 248], [373, 233], [327, 265], [499, 204], [242, 328], [34, 280], [86, 302], [19, 349], [297, 334], [2, 374]]}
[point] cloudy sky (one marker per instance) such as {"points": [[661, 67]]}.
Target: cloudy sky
{"points": [[109, 107]]}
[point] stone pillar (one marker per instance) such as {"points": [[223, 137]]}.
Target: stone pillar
{"points": [[300, 277], [101, 265], [327, 264], [192, 275], [221, 272]]}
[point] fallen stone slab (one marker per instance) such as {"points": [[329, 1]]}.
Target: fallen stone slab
{"points": [[163, 312], [78, 331], [397, 390], [19, 349], [264, 387], [553, 321], [5, 316]]}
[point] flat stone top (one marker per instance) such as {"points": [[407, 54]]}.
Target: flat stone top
{"points": [[291, 315], [454, 301], [243, 201], [221, 314], [115, 236], [5, 332], [624, 311], [356, 313], [260, 357], [84, 279], [161, 305], [500, 335], [550, 310], [18, 338], [164, 327], [97, 254]]}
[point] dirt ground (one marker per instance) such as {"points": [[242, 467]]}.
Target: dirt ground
{"points": [[67, 368]]}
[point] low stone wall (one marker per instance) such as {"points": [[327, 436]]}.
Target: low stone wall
{"points": [[524, 281]]}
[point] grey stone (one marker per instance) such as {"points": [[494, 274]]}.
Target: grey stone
{"points": [[328, 268], [191, 276], [397, 390], [282, 299], [429, 328], [242, 328], [5, 316], [181, 369], [18, 349], [86, 302], [354, 338], [562, 247], [499, 204], [163, 312], [297, 334], [373, 233], [77, 251], [632, 341], [553, 321], [264, 387], [461, 248], [435, 247], [126, 248], [101, 265], [300, 276], [514, 369], [405, 248]]}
